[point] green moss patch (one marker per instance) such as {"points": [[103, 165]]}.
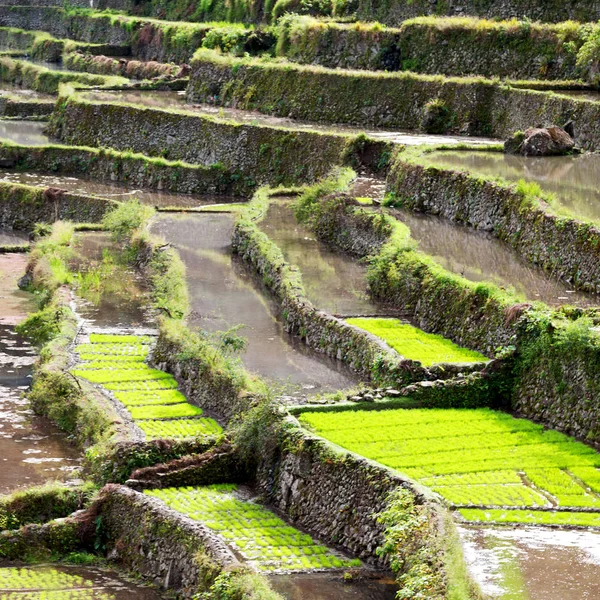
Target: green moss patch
{"points": [[255, 532], [474, 458], [413, 343]]}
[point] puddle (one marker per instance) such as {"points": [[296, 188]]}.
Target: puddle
{"points": [[223, 294], [478, 256], [60, 581], [9, 237], [533, 564], [15, 90], [333, 281], [114, 295], [27, 133], [573, 179], [176, 100], [32, 450], [112, 190], [328, 586]]}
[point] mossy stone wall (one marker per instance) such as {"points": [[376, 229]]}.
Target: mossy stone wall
{"points": [[267, 154], [394, 100], [516, 50], [563, 246]]}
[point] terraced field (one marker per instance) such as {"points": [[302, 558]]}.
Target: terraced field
{"points": [[261, 537], [116, 362], [488, 465], [414, 343]]}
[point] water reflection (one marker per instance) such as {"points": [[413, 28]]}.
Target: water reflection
{"points": [[478, 256], [333, 281], [573, 179], [533, 563], [224, 294], [27, 133]]}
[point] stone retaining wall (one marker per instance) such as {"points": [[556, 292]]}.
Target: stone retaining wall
{"points": [[265, 154], [136, 170], [464, 47], [363, 352], [394, 100], [565, 247]]}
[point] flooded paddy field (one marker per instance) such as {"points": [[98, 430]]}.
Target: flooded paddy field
{"points": [[572, 179], [32, 450], [479, 256], [114, 190], [224, 294], [534, 564], [345, 292], [28, 133]]}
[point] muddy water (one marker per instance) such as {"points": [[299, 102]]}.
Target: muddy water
{"points": [[176, 100], [224, 294], [534, 563], [9, 237], [28, 133], [112, 190], [478, 256], [117, 298], [333, 281], [328, 586], [573, 179], [32, 451], [85, 582]]}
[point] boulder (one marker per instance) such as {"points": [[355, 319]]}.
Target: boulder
{"points": [[540, 141]]}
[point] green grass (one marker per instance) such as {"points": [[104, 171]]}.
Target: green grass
{"points": [[255, 532], [117, 363], [413, 343], [473, 458]]}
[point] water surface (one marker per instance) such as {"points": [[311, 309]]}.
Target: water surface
{"points": [[27, 133], [113, 190], [118, 297], [533, 563], [331, 586], [479, 256], [333, 281], [224, 294], [573, 179], [32, 450]]}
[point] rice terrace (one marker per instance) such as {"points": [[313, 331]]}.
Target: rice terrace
{"points": [[300, 300]]}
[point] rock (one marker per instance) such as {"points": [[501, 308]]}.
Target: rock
{"points": [[25, 282], [549, 141], [7, 163], [392, 393]]}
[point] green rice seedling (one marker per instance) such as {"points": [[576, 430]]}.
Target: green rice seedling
{"points": [[180, 428], [169, 411], [471, 457], [142, 373], [108, 365], [257, 533], [114, 349], [581, 519], [104, 338], [414, 343], [147, 385], [140, 398]]}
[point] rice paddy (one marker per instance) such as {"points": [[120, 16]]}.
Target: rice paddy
{"points": [[47, 584], [415, 344], [480, 461], [116, 362], [255, 532]]}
